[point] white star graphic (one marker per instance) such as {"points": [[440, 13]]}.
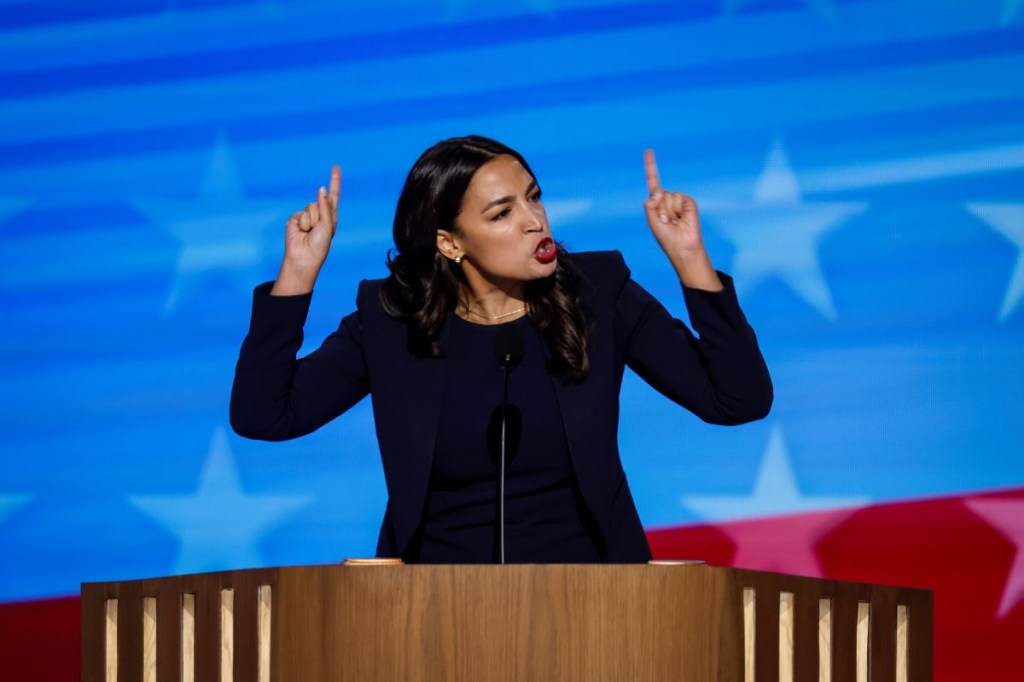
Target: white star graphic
{"points": [[220, 232], [1010, 11], [778, 235], [775, 492], [1006, 517], [824, 8], [11, 503], [786, 544], [1007, 220], [218, 525]]}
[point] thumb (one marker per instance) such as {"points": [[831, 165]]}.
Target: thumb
{"points": [[655, 209]]}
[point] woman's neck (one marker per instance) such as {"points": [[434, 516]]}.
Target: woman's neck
{"points": [[492, 304]]}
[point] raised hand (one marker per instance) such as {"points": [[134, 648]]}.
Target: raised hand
{"points": [[672, 216], [307, 240], [675, 223]]}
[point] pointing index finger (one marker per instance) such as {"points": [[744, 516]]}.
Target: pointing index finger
{"points": [[335, 189], [651, 169]]}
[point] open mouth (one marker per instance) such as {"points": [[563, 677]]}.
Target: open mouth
{"points": [[546, 251]]}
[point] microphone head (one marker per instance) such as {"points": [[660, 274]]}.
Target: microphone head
{"points": [[509, 344]]}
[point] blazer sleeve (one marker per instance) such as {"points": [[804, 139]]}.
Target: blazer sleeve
{"points": [[276, 396], [720, 376]]}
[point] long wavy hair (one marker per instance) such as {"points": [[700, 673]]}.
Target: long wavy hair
{"points": [[424, 286]]}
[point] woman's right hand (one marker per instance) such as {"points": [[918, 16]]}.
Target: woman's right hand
{"points": [[307, 240]]}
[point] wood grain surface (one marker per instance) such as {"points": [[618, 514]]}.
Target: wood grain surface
{"points": [[501, 623]]}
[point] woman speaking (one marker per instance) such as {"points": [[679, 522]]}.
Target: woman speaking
{"points": [[494, 358]]}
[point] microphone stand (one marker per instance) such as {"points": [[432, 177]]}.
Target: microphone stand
{"points": [[501, 473], [508, 347]]}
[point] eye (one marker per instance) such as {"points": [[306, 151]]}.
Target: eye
{"points": [[535, 197], [498, 216]]}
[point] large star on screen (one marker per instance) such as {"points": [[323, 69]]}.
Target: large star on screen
{"points": [[1008, 221], [776, 544], [221, 231], [219, 525], [777, 236], [1006, 517], [775, 491], [787, 544]]}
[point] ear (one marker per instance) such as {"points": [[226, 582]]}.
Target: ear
{"points": [[448, 245]]}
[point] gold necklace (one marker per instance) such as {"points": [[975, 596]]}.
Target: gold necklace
{"points": [[470, 311]]}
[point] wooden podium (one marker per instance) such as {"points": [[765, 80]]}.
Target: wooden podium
{"points": [[519, 622]]}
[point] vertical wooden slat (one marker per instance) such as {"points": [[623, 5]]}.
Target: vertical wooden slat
{"points": [[749, 632], [824, 640], [786, 636], [227, 635], [902, 625], [882, 637], [844, 636], [805, 631], [863, 640], [110, 641], [263, 647], [93, 629], [766, 648], [207, 627], [149, 651], [129, 632], [919, 636], [168, 632], [188, 637], [246, 617]]}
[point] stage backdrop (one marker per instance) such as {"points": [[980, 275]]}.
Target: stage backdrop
{"points": [[859, 165]]}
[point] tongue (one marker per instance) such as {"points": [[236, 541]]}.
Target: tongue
{"points": [[546, 252]]}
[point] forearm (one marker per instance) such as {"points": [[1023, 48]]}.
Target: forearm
{"points": [[695, 270], [738, 380], [295, 278], [721, 377], [276, 396], [266, 367]]}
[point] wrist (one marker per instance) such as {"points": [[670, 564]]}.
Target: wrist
{"points": [[695, 271], [295, 278]]}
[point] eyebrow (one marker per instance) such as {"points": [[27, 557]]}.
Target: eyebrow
{"points": [[508, 197]]}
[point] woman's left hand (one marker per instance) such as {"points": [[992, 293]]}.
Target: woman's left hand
{"points": [[672, 216], [674, 220]]}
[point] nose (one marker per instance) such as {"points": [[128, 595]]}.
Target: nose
{"points": [[534, 220]]}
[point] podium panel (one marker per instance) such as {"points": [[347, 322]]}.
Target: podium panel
{"points": [[516, 622]]}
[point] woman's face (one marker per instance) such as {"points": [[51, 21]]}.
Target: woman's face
{"points": [[502, 232]]}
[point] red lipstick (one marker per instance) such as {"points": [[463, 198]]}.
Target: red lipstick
{"points": [[546, 251]]}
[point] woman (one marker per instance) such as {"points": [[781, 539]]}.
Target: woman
{"points": [[474, 254]]}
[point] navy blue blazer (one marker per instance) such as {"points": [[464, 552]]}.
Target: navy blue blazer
{"points": [[721, 377]]}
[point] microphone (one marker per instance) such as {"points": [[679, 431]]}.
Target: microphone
{"points": [[509, 347]]}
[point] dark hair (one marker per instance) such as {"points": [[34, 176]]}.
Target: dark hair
{"points": [[423, 286]]}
